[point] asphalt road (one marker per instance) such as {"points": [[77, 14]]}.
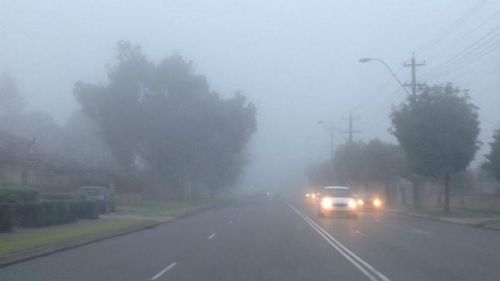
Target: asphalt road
{"points": [[276, 240]]}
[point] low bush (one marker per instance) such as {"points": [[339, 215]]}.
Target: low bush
{"points": [[18, 194], [37, 214], [60, 196], [89, 209], [6, 217]]}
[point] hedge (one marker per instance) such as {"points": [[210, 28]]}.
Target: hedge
{"points": [[37, 214], [6, 218], [18, 194], [61, 196], [89, 209]]}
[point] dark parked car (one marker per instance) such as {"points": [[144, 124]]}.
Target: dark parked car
{"points": [[102, 195]]}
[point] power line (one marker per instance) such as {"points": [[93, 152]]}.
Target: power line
{"points": [[471, 48], [461, 38], [468, 60], [449, 30]]}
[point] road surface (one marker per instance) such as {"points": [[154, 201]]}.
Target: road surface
{"points": [[276, 240]]}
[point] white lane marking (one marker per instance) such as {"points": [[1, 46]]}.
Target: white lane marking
{"points": [[211, 236], [420, 231], [364, 267], [229, 222], [163, 271], [359, 233]]}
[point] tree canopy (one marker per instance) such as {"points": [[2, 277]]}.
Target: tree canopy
{"points": [[360, 162], [162, 119], [492, 163], [438, 130]]}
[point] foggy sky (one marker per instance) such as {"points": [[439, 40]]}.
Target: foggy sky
{"points": [[296, 60]]}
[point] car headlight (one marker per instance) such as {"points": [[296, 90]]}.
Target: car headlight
{"points": [[313, 196], [326, 203], [352, 204], [360, 202], [307, 195], [377, 202]]}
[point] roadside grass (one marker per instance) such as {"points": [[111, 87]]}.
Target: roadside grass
{"points": [[171, 208], [34, 238]]}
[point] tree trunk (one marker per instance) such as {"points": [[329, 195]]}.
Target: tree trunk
{"points": [[446, 205], [417, 184], [388, 193]]}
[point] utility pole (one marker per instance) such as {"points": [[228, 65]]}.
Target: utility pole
{"points": [[350, 124], [331, 131], [413, 85]]}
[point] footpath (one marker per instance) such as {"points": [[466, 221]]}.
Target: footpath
{"points": [[482, 219]]}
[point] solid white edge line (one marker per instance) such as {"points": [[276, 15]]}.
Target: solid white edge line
{"points": [[163, 271], [353, 258], [211, 236]]}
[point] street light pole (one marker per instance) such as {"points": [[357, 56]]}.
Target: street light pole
{"points": [[364, 60]]}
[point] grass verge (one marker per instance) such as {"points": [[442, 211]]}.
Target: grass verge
{"points": [[35, 238]]}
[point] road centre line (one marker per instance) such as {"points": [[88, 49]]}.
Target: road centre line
{"points": [[420, 231], [159, 274], [364, 267], [211, 236]]}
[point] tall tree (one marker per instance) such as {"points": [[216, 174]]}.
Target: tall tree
{"points": [[492, 163], [164, 119], [438, 131]]}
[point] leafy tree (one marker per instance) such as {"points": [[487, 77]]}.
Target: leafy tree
{"points": [[11, 102], [438, 131], [384, 162], [492, 163], [360, 162], [164, 120]]}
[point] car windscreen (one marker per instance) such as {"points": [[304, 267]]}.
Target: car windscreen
{"points": [[338, 192]]}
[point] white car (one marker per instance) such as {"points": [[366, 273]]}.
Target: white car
{"points": [[338, 200]]}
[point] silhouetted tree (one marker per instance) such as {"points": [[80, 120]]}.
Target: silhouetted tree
{"points": [[438, 131], [492, 163], [163, 119]]}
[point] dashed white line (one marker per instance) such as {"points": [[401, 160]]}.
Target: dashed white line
{"points": [[420, 231], [159, 274], [211, 236]]}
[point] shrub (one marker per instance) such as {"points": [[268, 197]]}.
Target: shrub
{"points": [[18, 194], [6, 218], [37, 214], [89, 209], [60, 196]]}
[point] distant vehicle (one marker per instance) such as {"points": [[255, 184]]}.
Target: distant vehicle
{"points": [[338, 200], [102, 195], [313, 195], [370, 201]]}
